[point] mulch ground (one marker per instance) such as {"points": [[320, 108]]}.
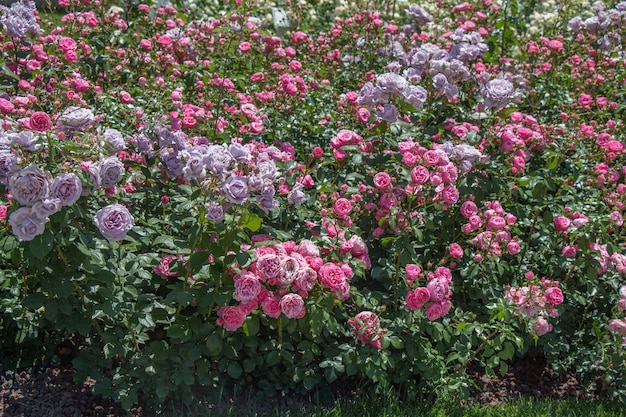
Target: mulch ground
{"points": [[53, 392]]}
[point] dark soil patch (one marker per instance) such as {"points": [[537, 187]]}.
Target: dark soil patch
{"points": [[54, 393]]}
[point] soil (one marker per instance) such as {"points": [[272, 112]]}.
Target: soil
{"points": [[54, 393]]}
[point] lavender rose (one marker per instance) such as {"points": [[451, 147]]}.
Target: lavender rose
{"points": [[46, 208], [236, 189], [114, 221], [75, 119], [111, 172], [67, 188], [29, 185], [25, 224], [113, 140], [497, 93], [8, 165]]}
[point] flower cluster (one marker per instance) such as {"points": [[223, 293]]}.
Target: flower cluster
{"points": [[435, 296], [536, 302], [492, 226], [280, 279], [367, 330], [520, 138], [19, 19]]}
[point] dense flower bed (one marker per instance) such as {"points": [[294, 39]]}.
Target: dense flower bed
{"points": [[218, 199]]}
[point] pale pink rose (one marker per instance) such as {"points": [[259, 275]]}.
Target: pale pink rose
{"points": [[621, 304], [456, 251], [469, 209], [438, 309], [617, 326], [450, 194], [308, 248], [292, 306], [554, 295], [247, 287], [616, 218], [268, 266], [288, 271], [305, 279], [561, 223], [342, 207], [417, 298], [332, 276], [382, 180], [231, 318], [622, 292], [438, 289], [542, 326], [359, 247]]}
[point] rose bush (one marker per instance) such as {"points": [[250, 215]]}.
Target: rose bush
{"points": [[190, 201]]}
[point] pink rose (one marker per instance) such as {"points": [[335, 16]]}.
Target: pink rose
{"points": [[431, 157], [332, 276], [231, 318], [417, 298], [438, 289], [382, 180], [292, 306], [617, 326], [40, 121], [3, 212], [305, 279], [569, 251], [268, 266], [554, 295], [456, 251], [247, 287], [450, 194], [67, 44], [288, 271], [542, 326], [513, 248], [367, 328], [342, 207], [496, 223], [438, 309], [561, 223], [412, 272], [420, 174], [271, 306], [468, 209]]}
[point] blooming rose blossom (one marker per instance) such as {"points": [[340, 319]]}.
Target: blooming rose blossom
{"points": [[292, 306], [438, 289], [25, 225], [417, 298], [469, 209], [438, 309], [111, 171], [342, 207], [67, 188], [247, 287], [114, 221], [271, 306], [554, 296], [332, 276], [75, 119], [40, 121], [367, 329], [542, 326], [412, 272], [236, 189], [420, 175], [30, 185], [45, 208], [561, 223], [456, 251], [231, 317], [268, 266]]}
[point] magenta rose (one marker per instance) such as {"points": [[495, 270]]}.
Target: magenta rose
{"points": [[417, 298], [40, 121], [456, 251], [438, 309], [412, 272], [231, 318], [292, 306], [367, 329], [332, 276]]}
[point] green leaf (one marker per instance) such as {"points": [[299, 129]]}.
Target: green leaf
{"points": [[251, 221], [214, 344], [234, 370]]}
